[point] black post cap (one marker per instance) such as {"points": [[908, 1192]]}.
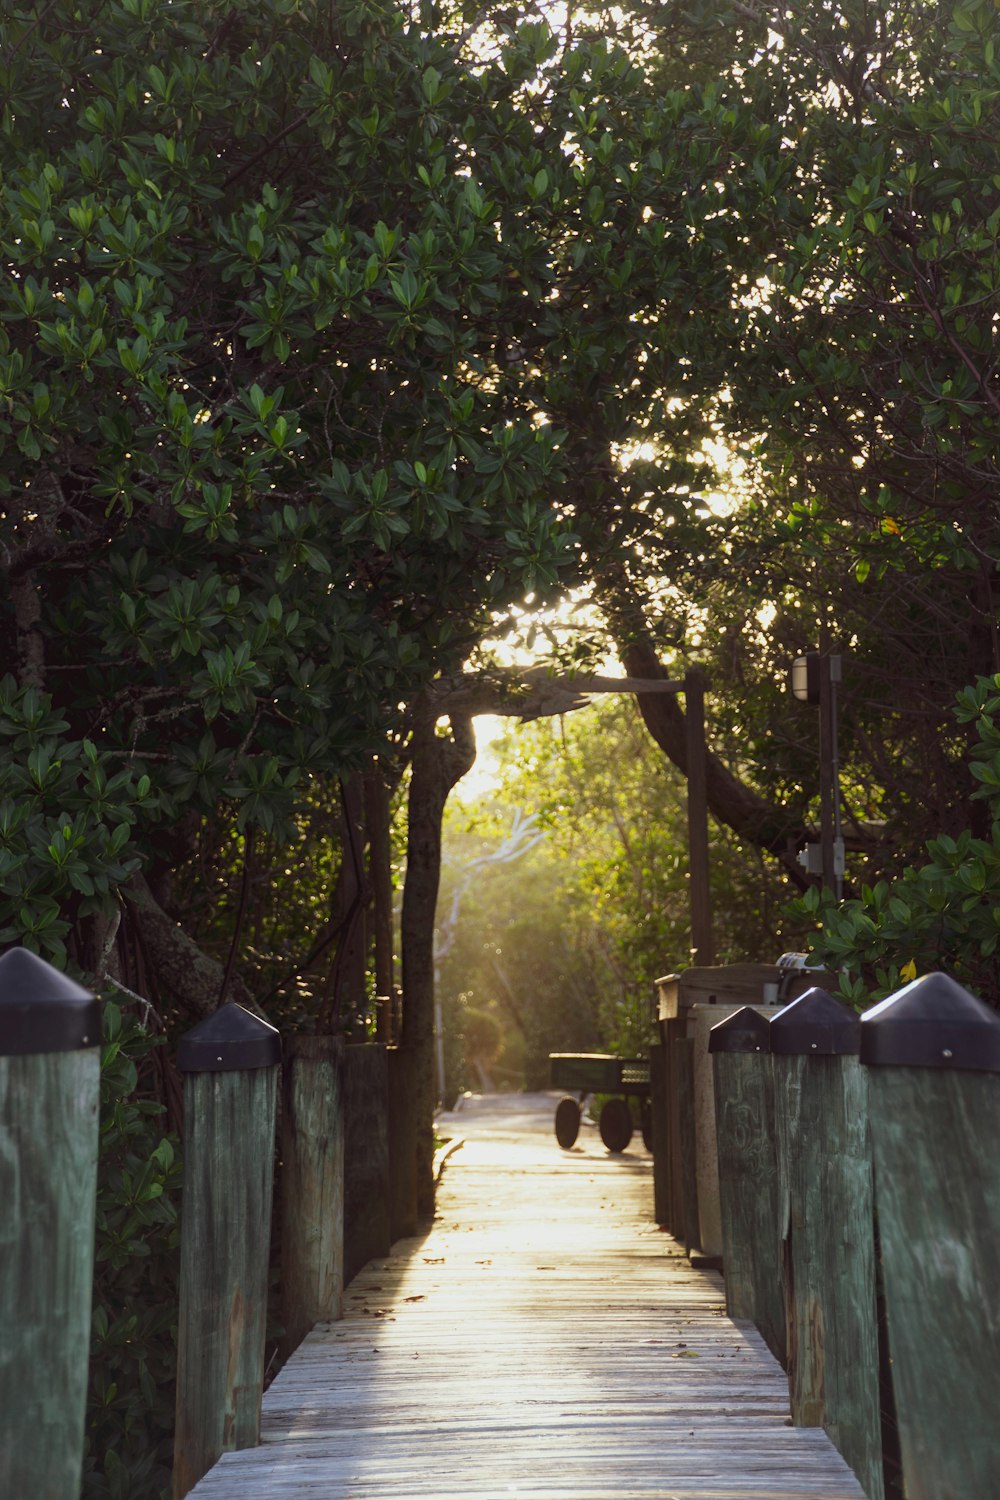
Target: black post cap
{"points": [[817, 1024], [231, 1039], [931, 1023], [746, 1030], [43, 1010]]}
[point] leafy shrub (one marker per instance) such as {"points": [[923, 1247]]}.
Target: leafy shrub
{"points": [[944, 914], [130, 1410]]}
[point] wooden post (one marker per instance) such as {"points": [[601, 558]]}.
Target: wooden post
{"points": [[825, 1197], [701, 1021], [311, 1185], [932, 1054], [658, 1104], [367, 1230], [748, 1174], [403, 1216], [675, 1029], [684, 1049], [230, 1062], [50, 1033], [702, 943]]}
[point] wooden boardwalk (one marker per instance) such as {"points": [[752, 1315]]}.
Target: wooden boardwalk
{"points": [[544, 1340]]}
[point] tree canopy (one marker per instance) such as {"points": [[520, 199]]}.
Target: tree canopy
{"points": [[255, 488], [335, 338], [328, 335]]}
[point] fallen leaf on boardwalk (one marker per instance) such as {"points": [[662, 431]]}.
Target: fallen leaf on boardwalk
{"points": [[420, 1297], [434, 1260], [686, 1354]]}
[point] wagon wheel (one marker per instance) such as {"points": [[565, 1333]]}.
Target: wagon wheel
{"points": [[567, 1122], [616, 1124], [647, 1124]]}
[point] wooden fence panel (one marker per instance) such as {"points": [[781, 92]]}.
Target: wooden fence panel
{"points": [[748, 1175], [230, 1062], [933, 1052], [825, 1188], [367, 1227], [402, 1146], [50, 1032], [312, 1185]]}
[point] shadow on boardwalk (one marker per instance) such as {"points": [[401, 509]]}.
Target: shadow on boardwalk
{"points": [[543, 1339]]}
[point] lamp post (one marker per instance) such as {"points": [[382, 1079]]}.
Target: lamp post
{"points": [[815, 676]]}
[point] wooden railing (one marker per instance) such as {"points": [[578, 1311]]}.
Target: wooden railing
{"points": [[859, 1175], [858, 1171], [243, 1105], [50, 1032]]}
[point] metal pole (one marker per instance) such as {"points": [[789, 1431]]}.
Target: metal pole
{"points": [[826, 762], [702, 946], [838, 836]]}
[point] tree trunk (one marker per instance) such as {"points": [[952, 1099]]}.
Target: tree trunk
{"points": [[730, 800], [345, 988], [437, 762], [183, 974], [380, 879]]}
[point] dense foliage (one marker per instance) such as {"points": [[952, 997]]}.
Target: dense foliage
{"points": [[329, 335], [254, 490], [942, 912], [855, 364]]}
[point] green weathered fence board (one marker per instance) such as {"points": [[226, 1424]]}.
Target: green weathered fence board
{"points": [[312, 1185], [675, 1156], [683, 1048], [748, 1182], [659, 1125], [825, 1204], [403, 1217], [367, 1229], [48, 1184], [938, 1189], [229, 1121]]}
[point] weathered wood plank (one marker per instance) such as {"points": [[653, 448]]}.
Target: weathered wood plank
{"points": [[938, 1193], [545, 1340], [229, 1121], [748, 1180], [367, 1229], [683, 1049], [402, 1145], [312, 1185], [659, 1105], [675, 1030], [48, 1179], [825, 1175]]}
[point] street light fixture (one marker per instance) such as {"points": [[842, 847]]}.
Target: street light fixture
{"points": [[815, 676], [805, 677]]}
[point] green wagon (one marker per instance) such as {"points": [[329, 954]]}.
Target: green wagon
{"points": [[584, 1073]]}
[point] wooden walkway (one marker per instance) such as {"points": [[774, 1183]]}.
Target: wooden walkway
{"points": [[544, 1340]]}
